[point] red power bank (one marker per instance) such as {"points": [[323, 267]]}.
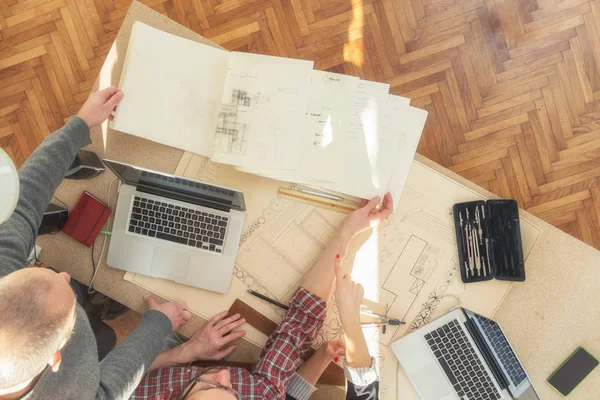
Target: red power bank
{"points": [[86, 219]]}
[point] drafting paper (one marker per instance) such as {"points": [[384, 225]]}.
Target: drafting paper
{"points": [[404, 124], [270, 116], [362, 144], [412, 125], [322, 150], [261, 118], [173, 88]]}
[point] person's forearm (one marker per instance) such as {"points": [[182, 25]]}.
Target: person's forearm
{"points": [[314, 367], [122, 369], [38, 179], [170, 358], [319, 279], [357, 351], [338, 244], [302, 384]]}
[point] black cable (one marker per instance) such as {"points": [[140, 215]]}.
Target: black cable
{"points": [[54, 232], [63, 203], [93, 265]]}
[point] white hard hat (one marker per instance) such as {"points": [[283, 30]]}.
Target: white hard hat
{"points": [[9, 187]]}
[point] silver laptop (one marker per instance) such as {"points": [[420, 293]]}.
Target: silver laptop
{"points": [[465, 356], [174, 228]]}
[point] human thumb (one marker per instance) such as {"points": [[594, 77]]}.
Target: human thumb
{"points": [[333, 349], [373, 203], [107, 92], [115, 99]]}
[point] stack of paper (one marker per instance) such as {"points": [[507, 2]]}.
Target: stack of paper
{"points": [[266, 115]]}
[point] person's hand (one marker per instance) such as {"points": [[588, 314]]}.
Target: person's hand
{"points": [[208, 342], [100, 105], [348, 297], [334, 349], [368, 216], [176, 312]]}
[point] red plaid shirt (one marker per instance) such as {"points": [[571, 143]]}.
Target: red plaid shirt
{"points": [[278, 362]]}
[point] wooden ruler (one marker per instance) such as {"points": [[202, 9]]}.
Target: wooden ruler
{"points": [[341, 206]]}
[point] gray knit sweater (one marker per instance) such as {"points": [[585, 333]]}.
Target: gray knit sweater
{"points": [[80, 376]]}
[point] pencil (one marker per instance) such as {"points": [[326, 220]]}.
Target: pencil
{"points": [[267, 299]]}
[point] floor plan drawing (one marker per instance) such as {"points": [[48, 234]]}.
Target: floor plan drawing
{"points": [[231, 135], [402, 291], [279, 247], [407, 265]]}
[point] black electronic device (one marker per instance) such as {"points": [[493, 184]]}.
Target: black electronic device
{"points": [[86, 165], [572, 371], [488, 234], [53, 220]]}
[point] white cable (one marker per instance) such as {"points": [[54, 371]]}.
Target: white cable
{"points": [[108, 228]]}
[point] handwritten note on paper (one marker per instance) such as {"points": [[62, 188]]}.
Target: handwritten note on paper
{"points": [[362, 142], [260, 121], [327, 124], [380, 139]]}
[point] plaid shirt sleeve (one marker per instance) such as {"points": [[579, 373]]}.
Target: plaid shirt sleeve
{"points": [[294, 335]]}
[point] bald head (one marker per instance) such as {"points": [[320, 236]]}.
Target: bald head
{"points": [[37, 309]]}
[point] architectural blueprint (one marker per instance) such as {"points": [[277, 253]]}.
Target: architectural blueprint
{"points": [[262, 108], [408, 265], [231, 136]]}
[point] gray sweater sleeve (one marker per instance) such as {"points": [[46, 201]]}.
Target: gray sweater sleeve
{"points": [[38, 178], [122, 369]]}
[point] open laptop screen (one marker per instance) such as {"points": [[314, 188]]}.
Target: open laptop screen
{"points": [[179, 188], [514, 378]]}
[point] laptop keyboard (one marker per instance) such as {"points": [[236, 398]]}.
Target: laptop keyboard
{"points": [[502, 348], [161, 220], [461, 364]]}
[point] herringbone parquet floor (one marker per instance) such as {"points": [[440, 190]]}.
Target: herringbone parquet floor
{"points": [[512, 86]]}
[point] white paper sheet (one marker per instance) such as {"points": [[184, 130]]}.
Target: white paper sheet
{"points": [[173, 88], [261, 118], [402, 127], [327, 125], [359, 170], [411, 124]]}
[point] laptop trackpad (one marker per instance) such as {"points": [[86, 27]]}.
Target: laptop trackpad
{"points": [[428, 382], [171, 263]]}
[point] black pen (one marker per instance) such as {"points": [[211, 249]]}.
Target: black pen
{"points": [[267, 299], [392, 322]]}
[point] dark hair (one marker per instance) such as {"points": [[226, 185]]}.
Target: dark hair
{"points": [[31, 330]]}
